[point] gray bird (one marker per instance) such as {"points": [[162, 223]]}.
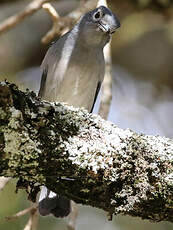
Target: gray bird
{"points": [[73, 71]]}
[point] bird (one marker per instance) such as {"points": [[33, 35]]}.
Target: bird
{"points": [[72, 72]]}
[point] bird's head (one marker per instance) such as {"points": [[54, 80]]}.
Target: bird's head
{"points": [[98, 25]]}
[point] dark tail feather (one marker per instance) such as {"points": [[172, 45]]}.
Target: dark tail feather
{"points": [[58, 206]]}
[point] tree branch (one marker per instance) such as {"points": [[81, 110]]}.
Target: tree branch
{"points": [[63, 24], [32, 208], [30, 9], [106, 96], [81, 156]]}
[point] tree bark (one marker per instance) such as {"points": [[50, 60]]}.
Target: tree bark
{"points": [[82, 157]]}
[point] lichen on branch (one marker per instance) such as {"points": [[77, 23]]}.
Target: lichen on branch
{"points": [[83, 157]]}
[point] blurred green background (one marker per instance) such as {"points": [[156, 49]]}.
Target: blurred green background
{"points": [[142, 52]]}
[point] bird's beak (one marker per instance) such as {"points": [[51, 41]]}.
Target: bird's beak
{"points": [[109, 24]]}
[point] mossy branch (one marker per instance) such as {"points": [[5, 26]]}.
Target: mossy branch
{"points": [[83, 157]]}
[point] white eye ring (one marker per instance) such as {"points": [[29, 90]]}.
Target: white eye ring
{"points": [[97, 15]]}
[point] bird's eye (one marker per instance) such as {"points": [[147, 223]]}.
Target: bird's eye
{"points": [[97, 15]]}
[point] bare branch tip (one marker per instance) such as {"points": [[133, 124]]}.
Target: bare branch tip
{"points": [[19, 214], [51, 11]]}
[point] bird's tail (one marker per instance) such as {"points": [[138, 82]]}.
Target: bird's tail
{"points": [[51, 203]]}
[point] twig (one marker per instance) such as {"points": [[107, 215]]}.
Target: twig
{"points": [[102, 3], [51, 10], [62, 24], [73, 216], [106, 96], [22, 213], [4, 181], [56, 22], [28, 226], [30, 9], [33, 220]]}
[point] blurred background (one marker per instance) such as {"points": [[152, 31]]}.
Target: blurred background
{"points": [[142, 55]]}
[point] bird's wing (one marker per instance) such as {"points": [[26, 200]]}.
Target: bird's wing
{"points": [[96, 94], [50, 79], [43, 82]]}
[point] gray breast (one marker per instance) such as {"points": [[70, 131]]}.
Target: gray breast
{"points": [[80, 81]]}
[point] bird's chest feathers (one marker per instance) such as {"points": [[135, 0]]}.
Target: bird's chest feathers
{"points": [[82, 70], [80, 81]]}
